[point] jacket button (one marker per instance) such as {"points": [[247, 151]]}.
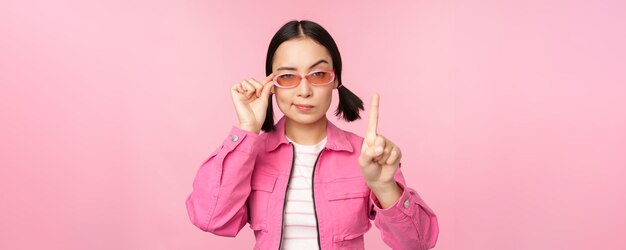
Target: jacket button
{"points": [[234, 138], [406, 203]]}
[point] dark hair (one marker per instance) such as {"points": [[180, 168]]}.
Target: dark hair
{"points": [[349, 103]]}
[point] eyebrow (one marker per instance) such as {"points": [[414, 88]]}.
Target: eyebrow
{"points": [[292, 68]]}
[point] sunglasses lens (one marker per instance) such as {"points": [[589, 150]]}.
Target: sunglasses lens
{"points": [[288, 80], [320, 77]]}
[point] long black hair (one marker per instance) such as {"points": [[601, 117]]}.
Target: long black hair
{"points": [[349, 103]]}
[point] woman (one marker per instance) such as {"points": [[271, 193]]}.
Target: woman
{"points": [[304, 183]]}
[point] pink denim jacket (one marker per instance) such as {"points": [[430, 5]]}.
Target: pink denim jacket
{"points": [[245, 181]]}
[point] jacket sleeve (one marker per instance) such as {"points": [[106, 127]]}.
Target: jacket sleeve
{"points": [[407, 224], [221, 187]]}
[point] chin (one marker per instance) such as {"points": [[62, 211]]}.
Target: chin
{"points": [[305, 118]]}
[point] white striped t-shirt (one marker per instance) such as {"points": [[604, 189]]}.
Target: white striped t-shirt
{"points": [[300, 227]]}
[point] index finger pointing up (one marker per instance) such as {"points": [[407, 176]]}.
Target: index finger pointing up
{"points": [[373, 117]]}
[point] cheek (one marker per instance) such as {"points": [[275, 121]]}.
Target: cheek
{"points": [[324, 101], [282, 99], [328, 97]]}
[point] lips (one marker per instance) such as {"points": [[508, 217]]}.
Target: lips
{"points": [[303, 107]]}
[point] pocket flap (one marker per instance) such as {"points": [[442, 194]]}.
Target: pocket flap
{"points": [[346, 189], [353, 235]]}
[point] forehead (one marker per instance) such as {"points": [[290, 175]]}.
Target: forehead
{"points": [[300, 53]]}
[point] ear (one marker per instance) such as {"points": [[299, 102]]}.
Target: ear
{"points": [[272, 89], [335, 84]]}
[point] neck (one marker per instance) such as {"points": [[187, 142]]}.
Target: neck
{"points": [[306, 134]]}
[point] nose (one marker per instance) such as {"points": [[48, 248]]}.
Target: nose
{"points": [[304, 88]]}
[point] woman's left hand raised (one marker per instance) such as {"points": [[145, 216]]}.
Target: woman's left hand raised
{"points": [[380, 158]]}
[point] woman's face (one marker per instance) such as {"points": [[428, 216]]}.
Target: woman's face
{"points": [[304, 103]]}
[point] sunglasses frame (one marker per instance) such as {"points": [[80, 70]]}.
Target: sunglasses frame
{"points": [[303, 77]]}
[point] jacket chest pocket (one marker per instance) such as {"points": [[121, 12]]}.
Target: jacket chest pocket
{"points": [[262, 187], [348, 199]]}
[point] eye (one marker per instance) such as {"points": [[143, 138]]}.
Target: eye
{"points": [[287, 76], [319, 74]]}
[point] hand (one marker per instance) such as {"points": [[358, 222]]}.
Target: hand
{"points": [[380, 158], [251, 99]]}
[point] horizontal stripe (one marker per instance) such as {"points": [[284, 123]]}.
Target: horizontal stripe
{"points": [[301, 238], [304, 165], [307, 152], [299, 225], [301, 213], [299, 192], [298, 201], [300, 176]]}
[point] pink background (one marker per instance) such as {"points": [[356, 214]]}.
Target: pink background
{"points": [[511, 114]]}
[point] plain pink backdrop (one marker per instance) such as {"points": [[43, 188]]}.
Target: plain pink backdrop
{"points": [[511, 114]]}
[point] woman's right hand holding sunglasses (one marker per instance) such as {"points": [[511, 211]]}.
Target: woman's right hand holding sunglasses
{"points": [[251, 99]]}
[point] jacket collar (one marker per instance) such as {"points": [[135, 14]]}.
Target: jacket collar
{"points": [[335, 138]]}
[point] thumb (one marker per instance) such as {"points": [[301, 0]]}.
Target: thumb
{"points": [[369, 153], [265, 93]]}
